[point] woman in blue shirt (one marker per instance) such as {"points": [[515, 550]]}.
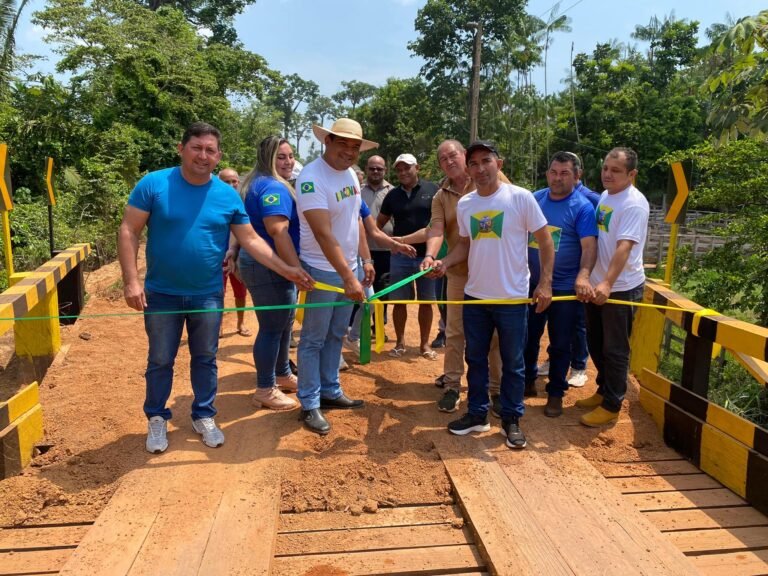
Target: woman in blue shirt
{"points": [[271, 205]]}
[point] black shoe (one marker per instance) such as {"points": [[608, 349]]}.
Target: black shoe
{"points": [[315, 421], [450, 401], [440, 381], [439, 342], [510, 429], [294, 368], [496, 405], [530, 390], [554, 407], [469, 423], [342, 401]]}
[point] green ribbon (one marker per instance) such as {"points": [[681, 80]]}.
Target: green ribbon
{"points": [[365, 334], [396, 285]]}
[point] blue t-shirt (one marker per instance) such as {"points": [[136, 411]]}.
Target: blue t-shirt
{"points": [[187, 230], [364, 210], [591, 195], [569, 220], [268, 197]]}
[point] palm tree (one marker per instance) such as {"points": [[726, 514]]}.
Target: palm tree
{"points": [[9, 20]]}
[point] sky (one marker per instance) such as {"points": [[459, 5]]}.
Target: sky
{"points": [[330, 41]]}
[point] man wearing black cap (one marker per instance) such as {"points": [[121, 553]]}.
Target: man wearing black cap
{"points": [[494, 223]]}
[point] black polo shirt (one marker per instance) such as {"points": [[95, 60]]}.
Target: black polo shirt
{"points": [[410, 211]]}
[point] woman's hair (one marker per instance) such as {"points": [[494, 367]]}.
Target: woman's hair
{"points": [[266, 158]]}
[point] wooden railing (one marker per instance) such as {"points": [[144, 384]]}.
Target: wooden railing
{"points": [[725, 446]]}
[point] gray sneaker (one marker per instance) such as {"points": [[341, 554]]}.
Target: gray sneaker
{"points": [[157, 441], [212, 436]]}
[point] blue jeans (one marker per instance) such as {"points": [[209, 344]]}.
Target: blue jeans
{"points": [[320, 343], [164, 334], [608, 330], [579, 352], [510, 321], [561, 319], [273, 342], [400, 267]]}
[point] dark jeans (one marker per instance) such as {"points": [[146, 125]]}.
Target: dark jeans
{"points": [[608, 330], [510, 321], [561, 319], [272, 343], [579, 352], [164, 334]]}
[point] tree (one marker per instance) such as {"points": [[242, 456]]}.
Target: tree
{"points": [[9, 20], [355, 93], [740, 90], [218, 16], [287, 95]]}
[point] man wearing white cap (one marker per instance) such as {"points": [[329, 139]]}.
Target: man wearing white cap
{"points": [[410, 208], [328, 201]]}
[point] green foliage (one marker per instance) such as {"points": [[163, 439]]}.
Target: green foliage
{"points": [[733, 180], [740, 87]]}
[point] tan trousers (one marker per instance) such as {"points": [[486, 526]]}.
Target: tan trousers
{"points": [[454, 341]]}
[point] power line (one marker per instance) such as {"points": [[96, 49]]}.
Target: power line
{"points": [[549, 10]]}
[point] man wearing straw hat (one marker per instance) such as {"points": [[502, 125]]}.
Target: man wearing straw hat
{"points": [[328, 201]]}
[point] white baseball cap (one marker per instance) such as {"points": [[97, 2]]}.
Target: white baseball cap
{"points": [[407, 158]]}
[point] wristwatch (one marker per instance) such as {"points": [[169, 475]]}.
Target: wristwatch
{"points": [[367, 261], [429, 256]]}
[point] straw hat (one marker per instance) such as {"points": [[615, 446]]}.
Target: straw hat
{"points": [[344, 128]]}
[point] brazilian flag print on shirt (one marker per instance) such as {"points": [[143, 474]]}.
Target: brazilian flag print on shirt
{"points": [[271, 200], [556, 235], [604, 215], [488, 224]]}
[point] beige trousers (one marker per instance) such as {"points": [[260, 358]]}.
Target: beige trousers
{"points": [[454, 341]]}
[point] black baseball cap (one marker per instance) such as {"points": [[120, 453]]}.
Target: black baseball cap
{"points": [[482, 145]]}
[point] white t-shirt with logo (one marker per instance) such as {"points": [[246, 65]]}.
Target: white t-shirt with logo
{"points": [[621, 216], [320, 187], [498, 227]]}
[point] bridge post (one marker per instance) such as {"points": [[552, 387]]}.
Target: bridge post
{"points": [[38, 341], [697, 361]]}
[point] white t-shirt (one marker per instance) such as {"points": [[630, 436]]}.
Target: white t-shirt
{"points": [[621, 216], [320, 187], [498, 227]]}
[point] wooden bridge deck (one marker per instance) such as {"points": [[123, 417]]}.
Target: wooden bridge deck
{"points": [[542, 510]]}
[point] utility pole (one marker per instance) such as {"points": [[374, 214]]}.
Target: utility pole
{"points": [[474, 111]]}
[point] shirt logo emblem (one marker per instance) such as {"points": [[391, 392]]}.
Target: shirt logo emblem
{"points": [[346, 192], [271, 200], [488, 224], [556, 235], [604, 215], [307, 187]]}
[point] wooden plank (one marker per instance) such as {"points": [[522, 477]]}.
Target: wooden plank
{"points": [[668, 520], [31, 562], [113, 542], [733, 563], [669, 483], [593, 491], [384, 517], [41, 537], [661, 467], [242, 539], [501, 519], [685, 499], [725, 539], [588, 544], [338, 541], [407, 561]]}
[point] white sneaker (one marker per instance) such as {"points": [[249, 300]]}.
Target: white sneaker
{"points": [[544, 368], [212, 436], [157, 441], [353, 345], [343, 366], [578, 378]]}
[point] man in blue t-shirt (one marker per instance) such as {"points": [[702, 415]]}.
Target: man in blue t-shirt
{"points": [[188, 215], [571, 220]]}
